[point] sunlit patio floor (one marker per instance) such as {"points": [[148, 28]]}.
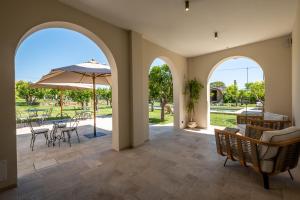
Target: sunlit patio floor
{"points": [[173, 164]]}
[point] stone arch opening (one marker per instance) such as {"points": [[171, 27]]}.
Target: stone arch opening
{"points": [[111, 61], [157, 104], [216, 92]]}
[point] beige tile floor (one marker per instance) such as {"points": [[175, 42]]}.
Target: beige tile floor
{"points": [[174, 164]]}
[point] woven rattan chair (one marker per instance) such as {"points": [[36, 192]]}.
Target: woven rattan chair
{"points": [[243, 121], [21, 119], [278, 155]]}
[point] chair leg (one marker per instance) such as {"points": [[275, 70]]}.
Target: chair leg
{"points": [[64, 137], [46, 137], [266, 181], [33, 143], [77, 136], [225, 162], [291, 175], [53, 143], [69, 138]]}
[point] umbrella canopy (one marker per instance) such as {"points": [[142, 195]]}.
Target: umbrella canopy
{"points": [[88, 72], [79, 73], [62, 86]]}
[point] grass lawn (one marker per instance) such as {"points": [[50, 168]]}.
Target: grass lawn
{"points": [[22, 107], [222, 120], [154, 118]]}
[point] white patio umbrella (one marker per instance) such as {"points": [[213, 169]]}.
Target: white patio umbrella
{"points": [[89, 73], [62, 86]]}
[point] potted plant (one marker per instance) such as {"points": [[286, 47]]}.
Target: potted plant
{"points": [[192, 91]]}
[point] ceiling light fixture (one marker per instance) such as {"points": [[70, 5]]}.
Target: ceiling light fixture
{"points": [[187, 5], [216, 35]]}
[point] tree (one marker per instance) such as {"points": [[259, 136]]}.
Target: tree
{"points": [[217, 84], [160, 86], [231, 94], [31, 95], [243, 95], [81, 96], [153, 94], [257, 90], [53, 94], [105, 94]]}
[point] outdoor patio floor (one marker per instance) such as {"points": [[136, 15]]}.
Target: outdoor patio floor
{"points": [[174, 164]]}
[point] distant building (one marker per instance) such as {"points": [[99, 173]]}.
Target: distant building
{"points": [[216, 94]]}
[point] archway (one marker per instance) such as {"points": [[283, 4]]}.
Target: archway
{"points": [[235, 86], [107, 53], [160, 95], [111, 62], [154, 105]]}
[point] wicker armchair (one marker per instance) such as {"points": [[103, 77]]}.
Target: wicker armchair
{"points": [[243, 119], [275, 151], [276, 124]]}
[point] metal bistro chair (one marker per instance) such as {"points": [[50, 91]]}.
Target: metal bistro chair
{"points": [[35, 132], [62, 116], [32, 113], [69, 129], [21, 119]]}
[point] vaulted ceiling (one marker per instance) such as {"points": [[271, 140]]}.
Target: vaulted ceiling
{"points": [[166, 22]]}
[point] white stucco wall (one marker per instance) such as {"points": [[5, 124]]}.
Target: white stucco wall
{"points": [[139, 129], [178, 67], [20, 18], [131, 56], [296, 69], [126, 51], [144, 53]]}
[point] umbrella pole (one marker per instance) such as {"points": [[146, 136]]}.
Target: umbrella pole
{"points": [[61, 104], [94, 97]]}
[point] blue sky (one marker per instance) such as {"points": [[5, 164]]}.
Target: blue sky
{"points": [[158, 62], [51, 48], [56, 47], [232, 69], [235, 69]]}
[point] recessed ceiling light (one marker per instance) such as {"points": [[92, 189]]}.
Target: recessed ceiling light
{"points": [[216, 35], [187, 5]]}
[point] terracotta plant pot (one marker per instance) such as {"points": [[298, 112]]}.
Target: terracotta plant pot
{"points": [[192, 124]]}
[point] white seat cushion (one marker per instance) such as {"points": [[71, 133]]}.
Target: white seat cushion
{"points": [[267, 166], [266, 152]]}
